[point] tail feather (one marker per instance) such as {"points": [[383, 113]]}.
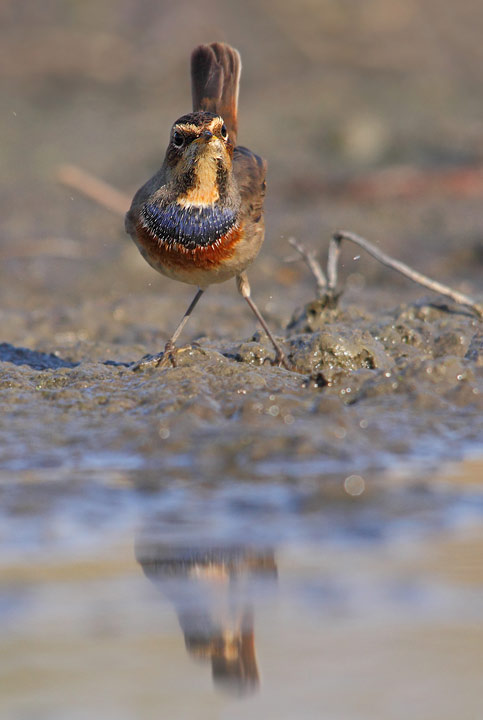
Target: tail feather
{"points": [[215, 77]]}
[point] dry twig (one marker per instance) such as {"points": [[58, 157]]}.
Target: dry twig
{"points": [[313, 265], [98, 190], [414, 275], [326, 283]]}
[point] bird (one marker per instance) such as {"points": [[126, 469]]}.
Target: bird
{"points": [[199, 219]]}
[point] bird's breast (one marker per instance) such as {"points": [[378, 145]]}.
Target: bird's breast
{"points": [[203, 243], [188, 226]]}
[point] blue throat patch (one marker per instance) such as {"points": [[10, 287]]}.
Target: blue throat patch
{"points": [[191, 227]]}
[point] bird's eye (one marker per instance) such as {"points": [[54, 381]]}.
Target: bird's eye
{"points": [[224, 131], [178, 139]]}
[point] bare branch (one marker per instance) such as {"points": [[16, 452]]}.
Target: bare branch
{"points": [[98, 190], [333, 264], [414, 275], [313, 265]]}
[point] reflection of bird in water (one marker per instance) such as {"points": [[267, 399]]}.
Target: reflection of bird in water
{"points": [[212, 592]]}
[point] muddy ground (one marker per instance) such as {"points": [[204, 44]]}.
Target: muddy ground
{"points": [[367, 391]]}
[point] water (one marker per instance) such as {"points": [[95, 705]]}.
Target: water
{"points": [[226, 600]]}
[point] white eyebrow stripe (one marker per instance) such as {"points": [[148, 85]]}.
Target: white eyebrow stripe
{"points": [[187, 127], [213, 125]]}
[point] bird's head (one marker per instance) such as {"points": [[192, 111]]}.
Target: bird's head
{"points": [[199, 159]]}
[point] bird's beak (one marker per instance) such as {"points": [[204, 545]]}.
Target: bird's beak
{"points": [[207, 144], [205, 138]]}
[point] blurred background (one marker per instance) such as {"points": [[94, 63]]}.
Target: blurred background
{"points": [[127, 502]]}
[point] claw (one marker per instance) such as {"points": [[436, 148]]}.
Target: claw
{"points": [[161, 360], [281, 361], [166, 359]]}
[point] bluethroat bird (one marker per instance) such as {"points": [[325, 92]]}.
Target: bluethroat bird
{"points": [[199, 219]]}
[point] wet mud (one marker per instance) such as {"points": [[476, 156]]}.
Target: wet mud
{"points": [[361, 382]]}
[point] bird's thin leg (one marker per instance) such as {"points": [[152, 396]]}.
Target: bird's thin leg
{"points": [[171, 342], [167, 356], [244, 289]]}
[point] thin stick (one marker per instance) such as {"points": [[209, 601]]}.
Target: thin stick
{"points": [[332, 265], [414, 275], [98, 190], [313, 265]]}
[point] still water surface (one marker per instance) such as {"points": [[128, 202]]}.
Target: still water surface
{"points": [[263, 600]]}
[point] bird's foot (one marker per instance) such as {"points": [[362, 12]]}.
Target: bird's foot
{"points": [[165, 359], [281, 360]]}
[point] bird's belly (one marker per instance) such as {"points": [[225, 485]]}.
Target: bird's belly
{"points": [[203, 265]]}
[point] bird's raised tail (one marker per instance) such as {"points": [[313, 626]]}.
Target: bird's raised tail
{"points": [[215, 77]]}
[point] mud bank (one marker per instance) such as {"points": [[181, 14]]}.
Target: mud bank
{"points": [[366, 390]]}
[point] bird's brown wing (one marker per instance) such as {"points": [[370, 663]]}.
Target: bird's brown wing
{"points": [[143, 194], [250, 170], [215, 78]]}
